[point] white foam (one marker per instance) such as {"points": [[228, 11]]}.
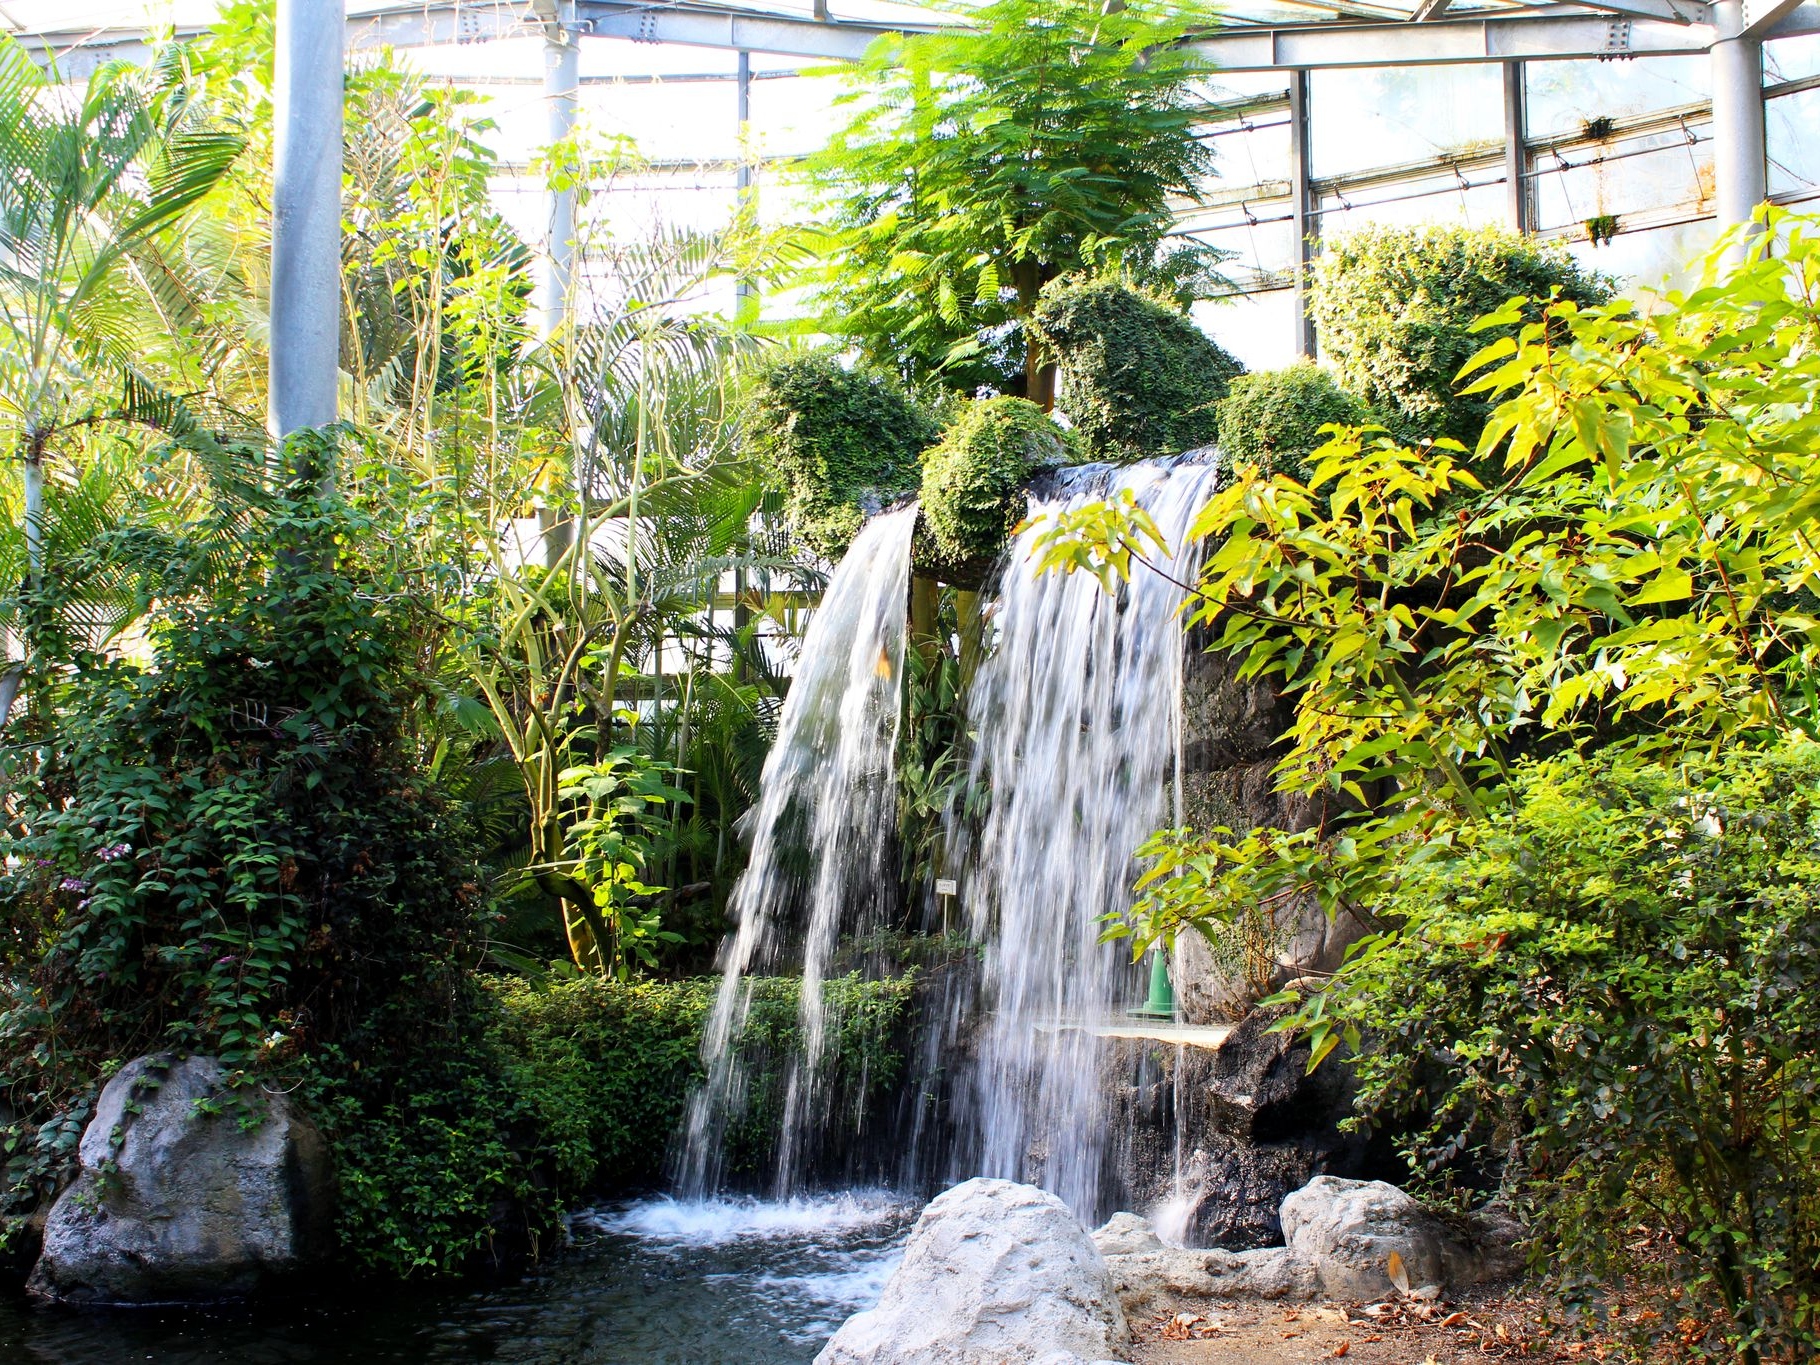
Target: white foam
{"points": [[721, 1221]]}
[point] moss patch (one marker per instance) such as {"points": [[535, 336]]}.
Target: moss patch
{"points": [[974, 482]]}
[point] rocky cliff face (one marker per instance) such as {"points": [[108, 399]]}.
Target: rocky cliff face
{"points": [[1229, 746]]}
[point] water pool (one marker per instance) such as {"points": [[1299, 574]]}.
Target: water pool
{"points": [[739, 1281]]}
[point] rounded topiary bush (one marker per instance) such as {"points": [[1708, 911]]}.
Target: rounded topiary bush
{"points": [[1394, 307], [974, 481], [1138, 378], [1273, 418], [845, 442]]}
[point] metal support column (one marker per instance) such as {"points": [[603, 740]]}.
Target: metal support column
{"points": [[1516, 155], [561, 87], [1740, 174], [306, 217], [744, 293], [1305, 221]]}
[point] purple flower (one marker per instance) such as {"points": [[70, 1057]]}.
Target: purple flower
{"points": [[114, 852], [85, 902], [72, 885]]}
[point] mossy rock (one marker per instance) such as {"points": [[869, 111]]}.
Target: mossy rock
{"points": [[1394, 310], [975, 482], [844, 442], [1138, 378], [1273, 418]]}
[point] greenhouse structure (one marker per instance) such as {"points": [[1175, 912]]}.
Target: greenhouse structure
{"points": [[765, 681]]}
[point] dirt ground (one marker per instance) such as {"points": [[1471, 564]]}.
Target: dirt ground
{"points": [[1408, 1332]]}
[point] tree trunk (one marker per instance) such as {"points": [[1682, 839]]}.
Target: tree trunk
{"points": [[925, 617], [972, 623]]}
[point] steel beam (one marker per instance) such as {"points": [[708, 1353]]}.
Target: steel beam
{"points": [[1337, 44], [306, 218], [561, 87], [1304, 222], [1760, 16], [1740, 169], [1516, 153]]}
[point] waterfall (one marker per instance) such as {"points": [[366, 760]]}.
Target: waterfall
{"points": [[1077, 715], [822, 836]]}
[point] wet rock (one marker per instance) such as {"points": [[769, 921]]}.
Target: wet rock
{"points": [[994, 1271], [181, 1196], [1348, 1230], [1125, 1234]]}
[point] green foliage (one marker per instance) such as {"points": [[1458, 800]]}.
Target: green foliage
{"points": [[611, 833], [1621, 976], [230, 849], [1046, 137], [845, 441], [974, 482], [1639, 587], [1394, 312], [608, 1064], [1273, 419], [1138, 378]]}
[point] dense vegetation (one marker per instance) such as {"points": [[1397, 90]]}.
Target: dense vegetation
{"points": [[1564, 724]]}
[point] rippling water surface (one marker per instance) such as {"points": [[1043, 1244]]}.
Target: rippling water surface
{"points": [[744, 1282]]}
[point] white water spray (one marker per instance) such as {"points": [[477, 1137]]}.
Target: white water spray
{"points": [[822, 836]]}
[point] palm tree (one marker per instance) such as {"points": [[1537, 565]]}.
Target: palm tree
{"points": [[91, 292]]}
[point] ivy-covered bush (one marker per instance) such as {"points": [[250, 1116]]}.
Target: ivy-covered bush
{"points": [[974, 481], [844, 441], [1618, 984], [1137, 378], [1394, 307], [1273, 418]]}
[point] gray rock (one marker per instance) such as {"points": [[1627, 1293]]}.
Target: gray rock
{"points": [[993, 1272], [177, 1199], [1153, 1281], [1124, 1234], [1348, 1229]]}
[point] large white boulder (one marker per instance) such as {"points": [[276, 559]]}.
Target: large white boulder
{"points": [[184, 1194], [993, 1272], [1348, 1230], [1149, 1282]]}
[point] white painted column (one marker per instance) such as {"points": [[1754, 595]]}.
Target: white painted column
{"points": [[306, 216], [1740, 174], [561, 90]]}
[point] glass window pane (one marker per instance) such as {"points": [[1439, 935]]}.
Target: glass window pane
{"points": [[793, 115], [1385, 116], [1792, 123], [1262, 255], [1257, 328], [1481, 202], [1564, 96], [1791, 59], [1668, 168], [1656, 259]]}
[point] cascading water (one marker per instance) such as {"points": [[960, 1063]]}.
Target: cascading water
{"points": [[1077, 713], [822, 836]]}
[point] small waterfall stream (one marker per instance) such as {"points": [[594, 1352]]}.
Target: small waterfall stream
{"points": [[1077, 713], [822, 838]]}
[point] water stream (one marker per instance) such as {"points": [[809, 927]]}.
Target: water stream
{"points": [[1077, 713], [822, 836]]}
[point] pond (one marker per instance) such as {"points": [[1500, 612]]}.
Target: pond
{"points": [[646, 1282]]}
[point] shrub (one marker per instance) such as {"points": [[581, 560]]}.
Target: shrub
{"points": [[1273, 419], [845, 441], [1138, 378], [608, 1065], [1620, 979], [1394, 307], [974, 481]]}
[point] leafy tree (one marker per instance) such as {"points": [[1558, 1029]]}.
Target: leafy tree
{"points": [[1047, 137], [1138, 378], [1638, 585], [91, 281], [1395, 312]]}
